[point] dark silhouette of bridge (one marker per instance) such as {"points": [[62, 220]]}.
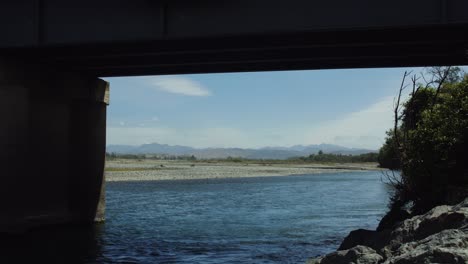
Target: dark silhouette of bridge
{"points": [[52, 53]]}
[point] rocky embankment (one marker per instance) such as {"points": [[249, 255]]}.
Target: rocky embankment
{"points": [[439, 236]]}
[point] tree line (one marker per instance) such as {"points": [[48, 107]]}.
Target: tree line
{"points": [[338, 158], [114, 156], [320, 156]]}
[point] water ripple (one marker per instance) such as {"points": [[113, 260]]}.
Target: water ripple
{"points": [[255, 220]]}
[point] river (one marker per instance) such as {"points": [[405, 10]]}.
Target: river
{"points": [[242, 220]]}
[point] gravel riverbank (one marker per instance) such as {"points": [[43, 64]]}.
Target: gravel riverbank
{"points": [[148, 170]]}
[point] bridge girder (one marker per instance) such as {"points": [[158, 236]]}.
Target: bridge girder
{"points": [[116, 38]]}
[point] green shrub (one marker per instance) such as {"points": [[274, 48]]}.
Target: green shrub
{"points": [[430, 147]]}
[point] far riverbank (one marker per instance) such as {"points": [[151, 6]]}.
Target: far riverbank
{"points": [[154, 170]]}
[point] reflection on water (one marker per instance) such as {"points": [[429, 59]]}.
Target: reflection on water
{"points": [[250, 220]]}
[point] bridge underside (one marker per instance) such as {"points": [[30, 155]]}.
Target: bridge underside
{"points": [[52, 104], [121, 38], [389, 47]]}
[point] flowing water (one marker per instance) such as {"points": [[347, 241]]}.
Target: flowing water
{"points": [[243, 220]]}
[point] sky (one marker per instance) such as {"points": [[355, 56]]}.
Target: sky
{"points": [[348, 107]]}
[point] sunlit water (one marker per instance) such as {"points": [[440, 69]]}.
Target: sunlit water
{"points": [[245, 220]]}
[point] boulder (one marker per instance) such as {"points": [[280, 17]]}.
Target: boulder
{"points": [[355, 255], [448, 246], [369, 238], [392, 218], [436, 220], [438, 236]]}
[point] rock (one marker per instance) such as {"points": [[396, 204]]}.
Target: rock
{"points": [[369, 238], [314, 260], [418, 227], [392, 218], [438, 236], [436, 220], [448, 246], [355, 255]]}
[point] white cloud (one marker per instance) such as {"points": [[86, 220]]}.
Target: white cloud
{"points": [[198, 137], [364, 129], [179, 85], [361, 129]]}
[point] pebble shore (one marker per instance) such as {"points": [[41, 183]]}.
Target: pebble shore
{"points": [[129, 170]]}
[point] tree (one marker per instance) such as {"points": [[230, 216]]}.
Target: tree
{"points": [[431, 142], [388, 156]]}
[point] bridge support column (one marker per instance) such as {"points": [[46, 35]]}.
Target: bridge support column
{"points": [[88, 147], [52, 146]]}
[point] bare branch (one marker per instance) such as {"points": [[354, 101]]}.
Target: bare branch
{"points": [[410, 115], [396, 110], [427, 83], [443, 75], [414, 79]]}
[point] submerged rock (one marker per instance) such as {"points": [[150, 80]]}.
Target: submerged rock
{"points": [[438, 236]]}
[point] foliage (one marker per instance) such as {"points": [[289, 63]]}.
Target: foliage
{"points": [[431, 144], [388, 156], [338, 158], [319, 157], [234, 159], [113, 156]]}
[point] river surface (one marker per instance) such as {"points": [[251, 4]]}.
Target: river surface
{"points": [[242, 220]]}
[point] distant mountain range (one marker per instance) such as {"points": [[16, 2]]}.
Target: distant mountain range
{"points": [[259, 153]]}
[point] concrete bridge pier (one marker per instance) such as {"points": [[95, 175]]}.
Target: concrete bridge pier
{"points": [[52, 146]]}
